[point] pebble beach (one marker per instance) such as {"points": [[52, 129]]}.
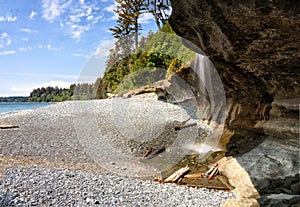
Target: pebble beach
{"points": [[69, 154]]}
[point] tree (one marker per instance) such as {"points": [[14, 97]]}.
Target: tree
{"points": [[159, 9], [128, 26]]}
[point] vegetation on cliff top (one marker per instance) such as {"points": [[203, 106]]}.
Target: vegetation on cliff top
{"points": [[160, 50]]}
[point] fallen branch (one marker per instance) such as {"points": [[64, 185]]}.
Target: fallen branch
{"points": [[205, 186], [211, 169], [213, 173], [157, 152], [177, 175], [185, 126], [197, 175], [8, 126], [147, 153]]}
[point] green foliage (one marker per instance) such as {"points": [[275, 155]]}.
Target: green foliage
{"points": [[50, 94], [162, 50], [82, 91], [143, 77]]}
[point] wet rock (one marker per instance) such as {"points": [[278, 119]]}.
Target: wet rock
{"points": [[280, 200]]}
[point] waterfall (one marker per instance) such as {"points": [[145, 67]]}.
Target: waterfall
{"points": [[211, 100]]}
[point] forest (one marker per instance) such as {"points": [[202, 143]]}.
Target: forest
{"points": [[14, 99], [82, 91]]}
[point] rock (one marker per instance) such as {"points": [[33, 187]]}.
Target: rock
{"points": [[143, 90], [111, 95], [253, 46], [241, 202], [177, 91], [127, 95], [174, 90], [280, 200], [238, 177]]}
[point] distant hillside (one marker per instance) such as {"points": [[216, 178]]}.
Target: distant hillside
{"points": [[14, 99]]}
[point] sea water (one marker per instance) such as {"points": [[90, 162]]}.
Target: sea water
{"points": [[16, 106]]}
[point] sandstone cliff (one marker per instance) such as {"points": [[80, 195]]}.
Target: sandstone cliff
{"points": [[254, 45]]}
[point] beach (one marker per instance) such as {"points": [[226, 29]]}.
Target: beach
{"points": [[75, 154]]}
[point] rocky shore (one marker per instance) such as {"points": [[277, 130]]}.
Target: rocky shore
{"points": [[69, 154]]}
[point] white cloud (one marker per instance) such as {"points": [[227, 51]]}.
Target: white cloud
{"points": [[4, 40], [7, 52], [32, 15], [54, 8], [77, 30], [8, 19], [24, 39], [76, 17], [27, 30], [145, 18], [82, 19], [4, 34], [59, 84], [23, 49], [48, 46]]}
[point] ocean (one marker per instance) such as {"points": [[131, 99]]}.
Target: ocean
{"points": [[16, 106]]}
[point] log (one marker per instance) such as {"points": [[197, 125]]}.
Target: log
{"points": [[8, 126], [185, 126], [177, 175], [206, 186], [196, 175], [157, 152], [213, 173], [211, 169], [147, 153]]}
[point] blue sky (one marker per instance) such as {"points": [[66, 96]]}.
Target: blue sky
{"points": [[54, 42]]}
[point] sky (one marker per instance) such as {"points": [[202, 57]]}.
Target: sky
{"points": [[55, 42]]}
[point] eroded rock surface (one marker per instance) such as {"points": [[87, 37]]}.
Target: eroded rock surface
{"points": [[254, 46]]}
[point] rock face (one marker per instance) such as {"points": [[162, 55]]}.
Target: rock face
{"points": [[254, 46]]}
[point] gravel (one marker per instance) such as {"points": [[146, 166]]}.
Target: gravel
{"points": [[48, 187], [75, 144]]}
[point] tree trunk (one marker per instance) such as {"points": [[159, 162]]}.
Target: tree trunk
{"points": [[136, 35]]}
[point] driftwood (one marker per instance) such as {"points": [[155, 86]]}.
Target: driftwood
{"points": [[205, 186], [157, 152], [147, 153], [185, 126], [197, 175], [212, 171], [8, 126], [177, 175]]}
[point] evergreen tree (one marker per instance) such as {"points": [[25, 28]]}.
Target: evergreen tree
{"points": [[128, 25], [159, 9]]}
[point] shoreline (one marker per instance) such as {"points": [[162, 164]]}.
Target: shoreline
{"points": [[51, 139], [21, 110]]}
